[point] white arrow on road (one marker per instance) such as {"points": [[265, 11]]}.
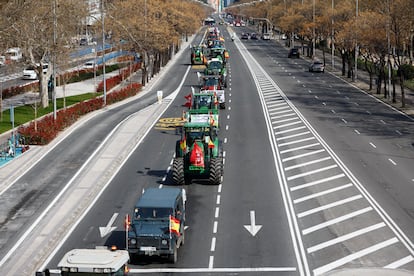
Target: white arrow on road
{"points": [[253, 228], [108, 228]]}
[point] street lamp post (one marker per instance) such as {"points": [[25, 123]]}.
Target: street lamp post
{"points": [[313, 31], [356, 44], [332, 38], [103, 52]]}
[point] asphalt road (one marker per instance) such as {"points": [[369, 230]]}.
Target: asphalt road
{"points": [[324, 169]]}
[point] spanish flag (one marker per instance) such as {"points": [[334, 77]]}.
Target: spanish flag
{"points": [[183, 144], [210, 144], [174, 225]]}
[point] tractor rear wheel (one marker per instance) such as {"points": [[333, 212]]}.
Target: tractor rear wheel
{"points": [[178, 171], [215, 171]]}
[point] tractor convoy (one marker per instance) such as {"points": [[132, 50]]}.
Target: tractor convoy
{"points": [[199, 153]]}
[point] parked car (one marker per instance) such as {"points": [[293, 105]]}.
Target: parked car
{"points": [[294, 52], [2, 60], [266, 36], [14, 54], [89, 65], [30, 74], [244, 36], [317, 66], [253, 36]]}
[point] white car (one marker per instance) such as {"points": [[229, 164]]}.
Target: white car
{"points": [[30, 74], [89, 65], [266, 36]]}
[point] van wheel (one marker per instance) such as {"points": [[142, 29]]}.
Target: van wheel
{"points": [[173, 257]]}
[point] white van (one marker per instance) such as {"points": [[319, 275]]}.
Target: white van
{"points": [[14, 54]]}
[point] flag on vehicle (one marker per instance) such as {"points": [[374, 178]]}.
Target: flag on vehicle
{"points": [[127, 222], [183, 144], [174, 225], [210, 144]]}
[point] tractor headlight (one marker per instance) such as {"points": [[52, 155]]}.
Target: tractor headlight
{"points": [[133, 241], [164, 242]]}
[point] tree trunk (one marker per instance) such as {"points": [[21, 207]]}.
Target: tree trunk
{"points": [[343, 56], [44, 95], [402, 90]]}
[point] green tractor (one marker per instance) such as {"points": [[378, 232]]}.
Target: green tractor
{"points": [[197, 55], [203, 107], [198, 155]]}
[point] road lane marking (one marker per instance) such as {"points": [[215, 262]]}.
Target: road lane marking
{"points": [[345, 237], [297, 141], [289, 130], [225, 140], [284, 115], [333, 111], [351, 257], [357, 132], [299, 148], [210, 269], [217, 212], [302, 155], [215, 227], [280, 112], [328, 206], [315, 195], [284, 120], [292, 136], [273, 104], [335, 221], [287, 125], [398, 132], [369, 113], [218, 200], [392, 161], [307, 163], [400, 262], [343, 120], [311, 172], [373, 145]]}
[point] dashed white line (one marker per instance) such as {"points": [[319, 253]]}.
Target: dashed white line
{"points": [[328, 206], [215, 227], [392, 161], [354, 256], [227, 127], [228, 116], [216, 214], [368, 112], [398, 132], [373, 145], [333, 111], [343, 120], [357, 132], [382, 121], [225, 140], [218, 200], [328, 191], [345, 237], [213, 244], [335, 220], [211, 262], [316, 182]]}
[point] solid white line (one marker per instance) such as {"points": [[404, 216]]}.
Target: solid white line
{"points": [[316, 182], [399, 263], [345, 237], [299, 148], [211, 269], [215, 227], [307, 163], [303, 155], [372, 144], [218, 200], [392, 161], [284, 120], [211, 262], [292, 136], [356, 255], [216, 215], [311, 172], [327, 206], [213, 244], [301, 199], [335, 221], [297, 141], [289, 130]]}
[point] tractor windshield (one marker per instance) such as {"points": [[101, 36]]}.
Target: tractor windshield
{"points": [[215, 65]]}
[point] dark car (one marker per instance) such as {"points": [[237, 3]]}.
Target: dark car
{"points": [[294, 52], [244, 36], [158, 223], [317, 66], [253, 36]]}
